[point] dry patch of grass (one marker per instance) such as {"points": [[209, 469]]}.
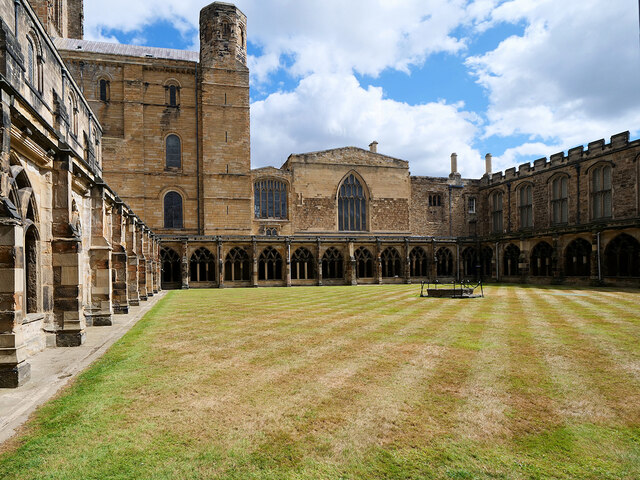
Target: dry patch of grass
{"points": [[353, 382]]}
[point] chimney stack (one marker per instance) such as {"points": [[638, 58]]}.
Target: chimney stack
{"points": [[487, 162], [373, 147], [454, 163]]}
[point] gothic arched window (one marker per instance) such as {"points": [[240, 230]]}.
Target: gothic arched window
{"points": [[352, 205], [444, 267], [237, 266], [332, 264], [270, 265], [525, 196], [391, 263], [171, 269], [496, 212], [173, 152], [622, 257], [302, 264], [541, 256], [270, 199], [418, 264], [364, 263], [172, 210], [202, 266], [560, 200], [511, 259], [601, 192], [577, 258]]}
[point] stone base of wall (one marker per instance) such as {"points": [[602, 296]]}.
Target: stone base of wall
{"points": [[13, 377], [121, 309], [100, 320], [70, 339]]}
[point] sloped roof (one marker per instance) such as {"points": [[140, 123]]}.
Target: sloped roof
{"points": [[127, 50]]}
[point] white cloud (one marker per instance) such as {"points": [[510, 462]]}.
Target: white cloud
{"points": [[333, 110], [571, 78]]}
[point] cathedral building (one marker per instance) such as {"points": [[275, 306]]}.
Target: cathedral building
{"points": [[127, 169]]}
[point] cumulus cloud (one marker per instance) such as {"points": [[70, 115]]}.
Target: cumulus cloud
{"points": [[333, 110], [572, 77]]}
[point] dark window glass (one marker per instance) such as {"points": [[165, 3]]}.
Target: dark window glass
{"points": [[104, 93], [526, 206], [173, 95], [601, 192], [173, 152], [496, 212], [560, 200], [352, 206], [172, 210], [270, 199]]}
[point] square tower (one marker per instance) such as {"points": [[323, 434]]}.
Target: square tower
{"points": [[223, 90]]}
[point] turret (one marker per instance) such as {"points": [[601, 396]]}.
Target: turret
{"points": [[223, 36]]}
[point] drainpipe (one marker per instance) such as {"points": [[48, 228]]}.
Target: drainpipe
{"points": [[200, 232]]}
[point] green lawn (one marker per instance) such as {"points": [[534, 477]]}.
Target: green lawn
{"points": [[353, 382]]}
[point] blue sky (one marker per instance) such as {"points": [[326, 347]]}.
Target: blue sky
{"points": [[520, 79]]}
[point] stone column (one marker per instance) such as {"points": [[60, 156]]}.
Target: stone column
{"points": [[156, 265], [132, 259], [142, 261], [378, 262], [14, 369], [287, 253], [99, 310], [407, 262], [556, 263], [66, 246], [220, 266], [254, 256], [185, 264], [434, 262], [523, 262], [319, 261], [352, 274], [150, 261], [595, 253], [120, 292]]}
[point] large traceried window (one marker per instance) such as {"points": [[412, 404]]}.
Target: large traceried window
{"points": [[601, 192], [171, 269], [525, 196], [444, 266], [622, 257], [496, 212], [172, 210], [511, 260], [302, 264], [173, 152], [352, 205], [560, 200], [332, 264], [270, 199]]}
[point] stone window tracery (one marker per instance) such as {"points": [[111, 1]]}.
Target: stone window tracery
{"points": [[511, 260], [496, 212], [202, 266], [270, 199], [418, 263], [302, 264], [622, 257], [525, 202], [444, 266], [601, 204], [237, 266], [270, 265], [541, 260], [332, 264], [352, 205], [560, 200], [391, 263], [170, 265], [364, 263]]}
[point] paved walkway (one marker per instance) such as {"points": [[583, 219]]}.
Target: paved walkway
{"points": [[52, 368]]}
